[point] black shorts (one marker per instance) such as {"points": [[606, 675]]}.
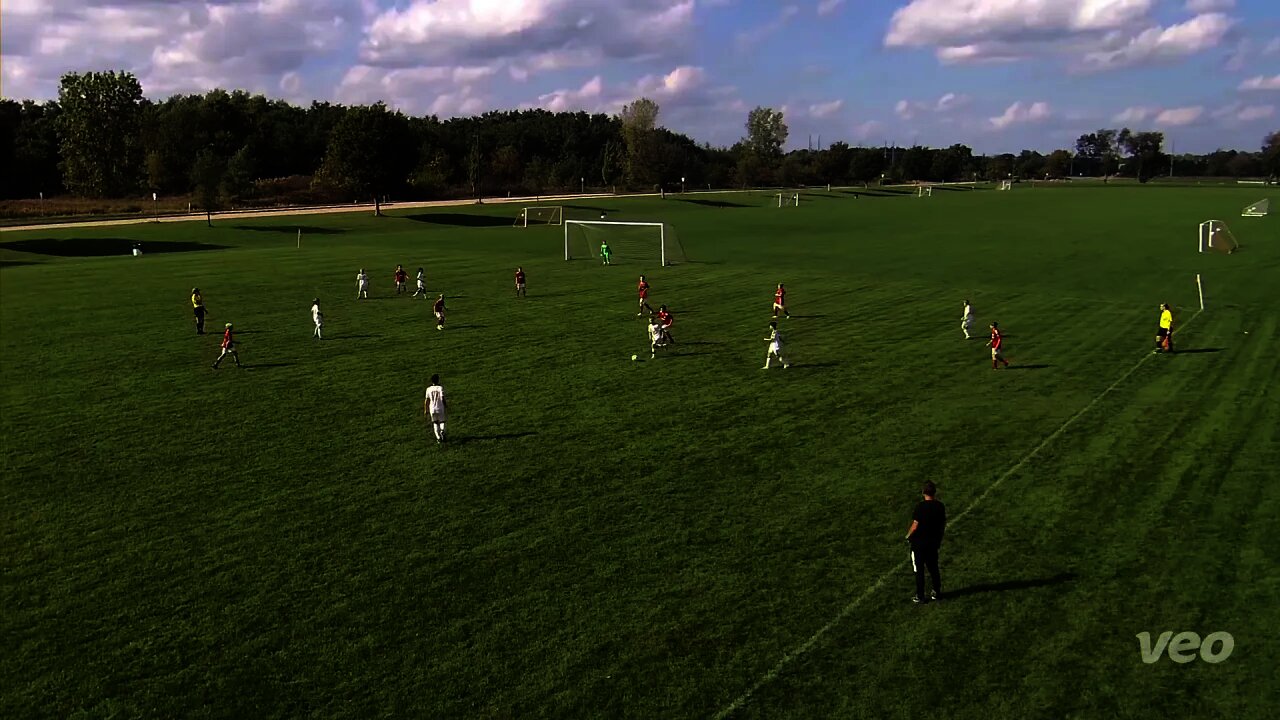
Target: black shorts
{"points": [[199, 311], [1161, 332]]}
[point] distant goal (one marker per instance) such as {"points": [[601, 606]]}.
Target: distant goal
{"points": [[1215, 236], [1258, 209], [540, 215], [629, 242]]}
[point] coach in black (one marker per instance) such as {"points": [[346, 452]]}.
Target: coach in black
{"points": [[928, 522]]}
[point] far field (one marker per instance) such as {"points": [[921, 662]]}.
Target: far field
{"points": [[691, 537]]}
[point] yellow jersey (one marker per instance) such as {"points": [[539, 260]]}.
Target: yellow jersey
{"points": [[197, 300], [1166, 319]]}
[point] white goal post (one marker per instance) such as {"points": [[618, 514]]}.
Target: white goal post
{"points": [[788, 199], [1006, 184], [627, 240], [540, 215], [924, 191], [1258, 209], [1215, 236]]}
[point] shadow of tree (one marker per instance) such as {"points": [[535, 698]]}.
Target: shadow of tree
{"points": [[102, 247], [463, 219]]}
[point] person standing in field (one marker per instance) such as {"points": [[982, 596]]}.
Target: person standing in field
{"points": [[422, 284], [317, 317], [667, 320], [997, 346], [435, 408], [775, 347], [362, 285], [520, 282], [928, 523], [438, 309], [197, 307], [655, 337], [1164, 333], [966, 320], [643, 288], [402, 277], [780, 301], [228, 348], [605, 253]]}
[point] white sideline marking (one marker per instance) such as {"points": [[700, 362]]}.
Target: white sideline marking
{"points": [[807, 645]]}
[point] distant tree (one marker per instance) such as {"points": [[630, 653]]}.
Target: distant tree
{"points": [[611, 158], [1245, 165], [237, 179], [1058, 164], [473, 166], [206, 177], [917, 162], [366, 153], [834, 163], [1143, 149], [766, 133], [1001, 166], [100, 132], [639, 122], [866, 164], [1271, 155]]}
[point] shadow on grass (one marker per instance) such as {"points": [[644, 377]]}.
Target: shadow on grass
{"points": [[879, 192], [714, 203], [353, 337], [465, 327], [290, 229], [463, 219], [102, 247], [15, 263], [1196, 351], [265, 366], [1028, 367], [498, 436], [980, 588], [828, 364], [592, 208], [805, 317]]}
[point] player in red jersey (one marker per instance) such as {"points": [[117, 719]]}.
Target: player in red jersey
{"points": [[780, 301], [438, 309], [667, 319], [997, 347], [643, 288], [520, 282], [402, 277], [228, 348]]}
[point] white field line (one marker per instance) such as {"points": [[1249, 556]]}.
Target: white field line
{"points": [[807, 645]]}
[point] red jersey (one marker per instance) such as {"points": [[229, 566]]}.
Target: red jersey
{"points": [[996, 339], [780, 296], [643, 287], [666, 318], [439, 306], [227, 339], [401, 276], [519, 278]]}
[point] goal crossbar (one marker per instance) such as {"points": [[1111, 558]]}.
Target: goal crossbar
{"points": [[662, 232], [1258, 209]]}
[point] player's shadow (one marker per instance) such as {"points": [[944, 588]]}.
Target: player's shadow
{"points": [[355, 337], [266, 366], [1196, 351], [466, 327], [1028, 367], [806, 317], [290, 229], [818, 366], [497, 436], [714, 203], [462, 219], [978, 589], [102, 247]]}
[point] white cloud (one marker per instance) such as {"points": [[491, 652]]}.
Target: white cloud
{"points": [[1154, 44], [826, 7], [949, 102], [586, 97], [1202, 6], [437, 90], [1021, 113], [871, 129], [1256, 112], [1261, 82], [1134, 114], [826, 109], [1177, 117]]}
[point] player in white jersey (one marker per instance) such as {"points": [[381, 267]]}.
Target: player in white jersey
{"points": [[422, 285], [435, 407], [657, 337], [362, 285], [966, 320], [775, 347], [318, 318]]}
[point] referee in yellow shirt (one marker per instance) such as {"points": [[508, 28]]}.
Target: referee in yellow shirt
{"points": [[1164, 333], [197, 307]]}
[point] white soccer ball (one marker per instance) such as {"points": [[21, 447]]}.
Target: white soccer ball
{"points": [[634, 358]]}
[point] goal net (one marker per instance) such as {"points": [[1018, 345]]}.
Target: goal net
{"points": [[924, 191], [1006, 184], [1258, 209], [788, 199], [1216, 237], [629, 242], [540, 215]]}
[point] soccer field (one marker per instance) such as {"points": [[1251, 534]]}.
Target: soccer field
{"points": [[689, 537]]}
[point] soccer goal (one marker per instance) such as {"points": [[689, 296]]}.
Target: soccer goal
{"points": [[540, 215], [788, 199], [924, 191], [1006, 184], [629, 242], [1258, 209], [1215, 236]]}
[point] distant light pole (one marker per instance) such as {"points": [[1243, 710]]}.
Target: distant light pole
{"points": [[681, 184], [583, 183], [155, 207], [42, 203]]}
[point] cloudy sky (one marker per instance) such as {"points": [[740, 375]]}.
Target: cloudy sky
{"points": [[997, 75]]}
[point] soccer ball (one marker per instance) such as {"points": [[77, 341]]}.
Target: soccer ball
{"points": [[634, 358]]}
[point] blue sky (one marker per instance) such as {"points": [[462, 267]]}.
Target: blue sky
{"points": [[998, 75]]}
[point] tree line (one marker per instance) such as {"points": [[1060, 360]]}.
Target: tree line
{"points": [[102, 138]]}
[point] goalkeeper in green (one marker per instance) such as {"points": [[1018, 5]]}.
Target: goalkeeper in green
{"points": [[605, 253]]}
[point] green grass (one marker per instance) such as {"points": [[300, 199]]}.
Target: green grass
{"points": [[608, 539]]}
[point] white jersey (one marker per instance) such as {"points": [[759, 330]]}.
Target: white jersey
{"points": [[316, 316], [435, 399], [362, 279], [968, 315], [422, 280], [655, 332], [775, 340]]}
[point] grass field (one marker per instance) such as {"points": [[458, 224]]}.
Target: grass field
{"points": [[691, 537]]}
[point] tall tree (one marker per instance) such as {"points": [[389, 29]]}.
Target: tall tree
{"points": [[366, 155], [206, 177], [474, 158], [1144, 151], [1058, 164], [639, 124], [1271, 155], [100, 132], [766, 134]]}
